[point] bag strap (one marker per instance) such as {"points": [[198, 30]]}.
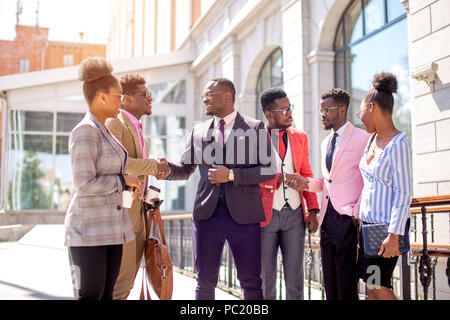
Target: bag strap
{"points": [[149, 225], [161, 226], [144, 284], [156, 219]]}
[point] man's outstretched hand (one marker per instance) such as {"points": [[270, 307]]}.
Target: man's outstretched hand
{"points": [[164, 169]]}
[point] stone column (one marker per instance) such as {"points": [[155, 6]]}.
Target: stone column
{"points": [[321, 67], [231, 62]]}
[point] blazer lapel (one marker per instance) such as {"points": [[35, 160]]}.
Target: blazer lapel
{"points": [[208, 131], [296, 154], [133, 132], [345, 139], [118, 148]]}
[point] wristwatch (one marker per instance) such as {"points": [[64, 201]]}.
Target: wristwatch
{"points": [[231, 175]]}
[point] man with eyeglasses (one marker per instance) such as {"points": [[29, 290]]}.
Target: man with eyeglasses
{"points": [[227, 205], [341, 188], [284, 199], [127, 128]]}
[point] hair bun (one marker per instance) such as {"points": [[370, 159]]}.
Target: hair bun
{"points": [[94, 68], [386, 82]]}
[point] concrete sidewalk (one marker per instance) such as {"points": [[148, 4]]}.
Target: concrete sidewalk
{"points": [[37, 268]]}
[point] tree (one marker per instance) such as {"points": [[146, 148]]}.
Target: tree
{"points": [[32, 193]]}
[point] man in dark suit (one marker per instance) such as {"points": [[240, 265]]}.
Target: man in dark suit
{"points": [[232, 153]]}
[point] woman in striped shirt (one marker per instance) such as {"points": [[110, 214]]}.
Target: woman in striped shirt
{"points": [[386, 195]]}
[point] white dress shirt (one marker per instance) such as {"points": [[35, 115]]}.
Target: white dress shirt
{"points": [[229, 124], [340, 133]]}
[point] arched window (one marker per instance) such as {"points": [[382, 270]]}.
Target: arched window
{"points": [[372, 36], [270, 75]]}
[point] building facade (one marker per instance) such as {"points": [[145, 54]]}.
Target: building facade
{"points": [[32, 51], [304, 46]]}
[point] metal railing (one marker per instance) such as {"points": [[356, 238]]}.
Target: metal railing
{"points": [[422, 273]]}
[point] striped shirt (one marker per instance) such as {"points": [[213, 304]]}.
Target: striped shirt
{"points": [[386, 195]]}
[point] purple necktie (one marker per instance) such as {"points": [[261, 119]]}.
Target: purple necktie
{"points": [[221, 136]]}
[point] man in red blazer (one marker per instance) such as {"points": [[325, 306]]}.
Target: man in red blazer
{"points": [[283, 199]]}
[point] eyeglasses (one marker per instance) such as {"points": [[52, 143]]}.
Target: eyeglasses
{"points": [[327, 110], [359, 113], [117, 94], [207, 95], [285, 110]]}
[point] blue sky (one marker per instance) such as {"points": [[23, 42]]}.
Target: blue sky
{"points": [[65, 18]]}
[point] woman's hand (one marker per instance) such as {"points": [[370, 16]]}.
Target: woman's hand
{"points": [[134, 184], [389, 247]]}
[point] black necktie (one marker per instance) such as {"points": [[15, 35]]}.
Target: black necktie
{"points": [[329, 157]]}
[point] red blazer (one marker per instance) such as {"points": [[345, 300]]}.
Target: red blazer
{"points": [[298, 141]]}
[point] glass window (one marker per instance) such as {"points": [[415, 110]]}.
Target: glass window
{"points": [[31, 121], [63, 186], [270, 75], [39, 169], [166, 136], [30, 173], [357, 63], [395, 9], [374, 15], [169, 92], [65, 122], [68, 59], [353, 20], [24, 65]]}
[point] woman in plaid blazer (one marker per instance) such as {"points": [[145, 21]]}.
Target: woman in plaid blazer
{"points": [[96, 225]]}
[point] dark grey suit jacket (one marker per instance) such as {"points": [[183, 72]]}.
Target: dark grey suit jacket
{"points": [[248, 153]]}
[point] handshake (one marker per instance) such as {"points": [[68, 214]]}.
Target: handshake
{"points": [[164, 169], [296, 181]]}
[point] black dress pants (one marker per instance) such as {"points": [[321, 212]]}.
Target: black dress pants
{"points": [[338, 243], [95, 271]]}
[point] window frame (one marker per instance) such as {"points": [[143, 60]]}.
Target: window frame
{"points": [[258, 90], [347, 46], [24, 62], [53, 133], [65, 57]]}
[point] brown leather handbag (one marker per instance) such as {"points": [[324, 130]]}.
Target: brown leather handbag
{"points": [[158, 265]]}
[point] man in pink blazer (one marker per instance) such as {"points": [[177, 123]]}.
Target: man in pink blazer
{"points": [[341, 188]]}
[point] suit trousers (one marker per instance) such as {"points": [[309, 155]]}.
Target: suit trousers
{"points": [[244, 241], [287, 232], [94, 271], [131, 260], [338, 242]]}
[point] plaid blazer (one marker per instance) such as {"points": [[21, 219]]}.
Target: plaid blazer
{"points": [[95, 216], [300, 154]]}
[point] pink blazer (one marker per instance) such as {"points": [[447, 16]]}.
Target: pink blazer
{"points": [[343, 185]]}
